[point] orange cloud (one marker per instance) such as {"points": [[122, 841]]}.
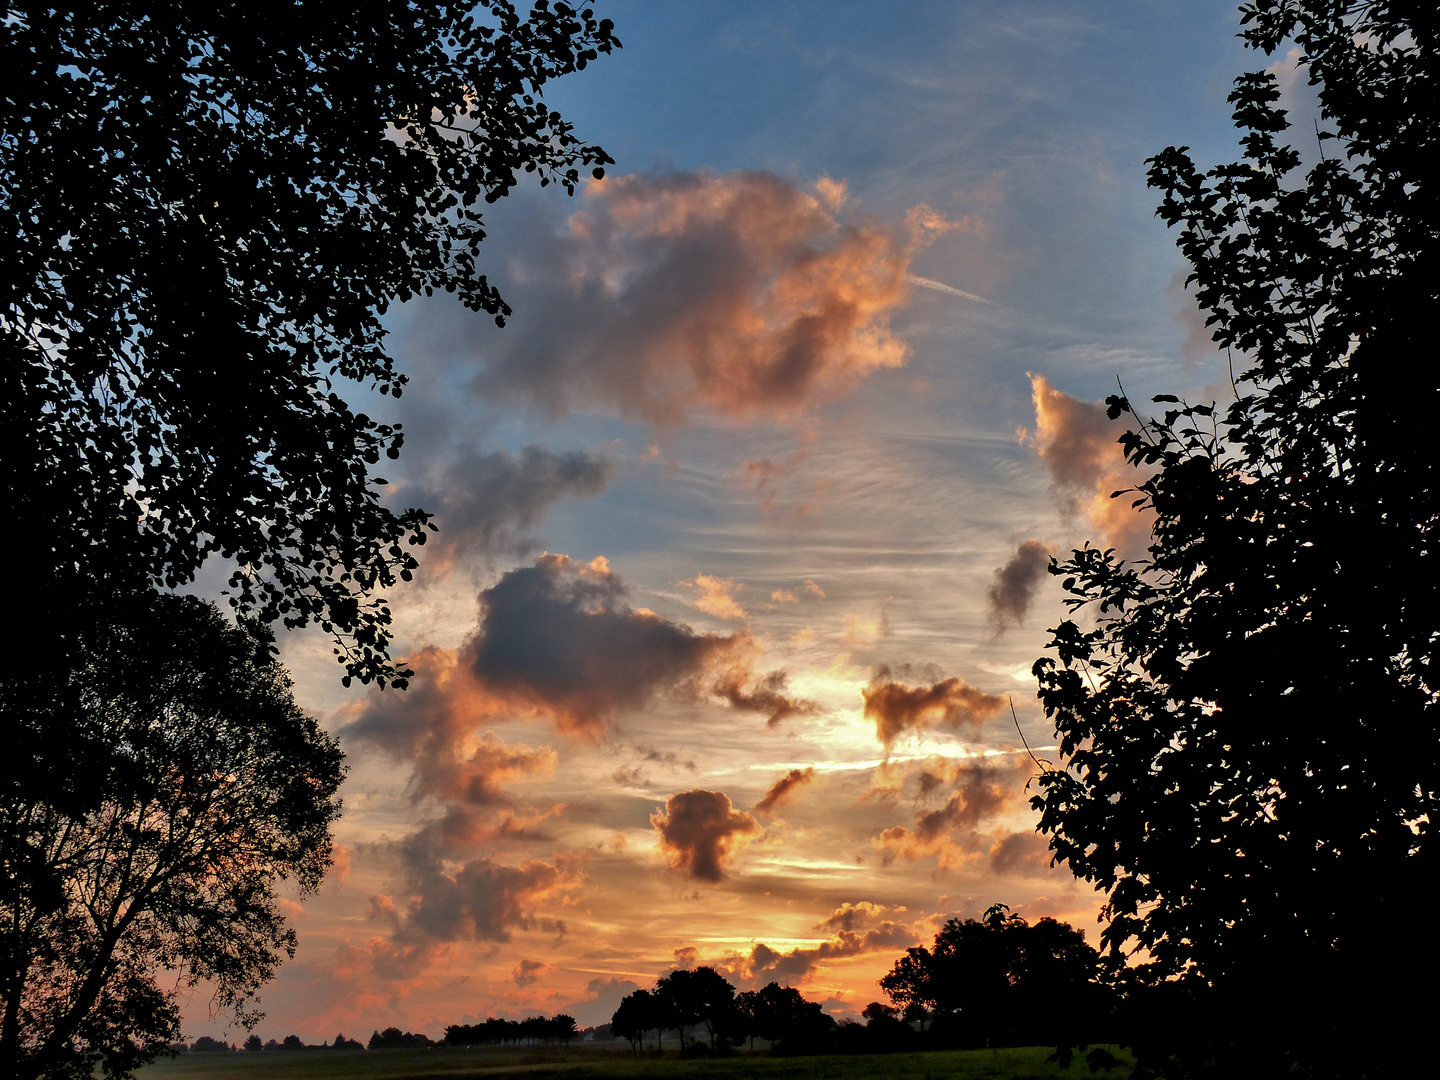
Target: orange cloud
{"points": [[781, 791], [765, 694], [738, 295], [1078, 443], [897, 707], [979, 791], [699, 830], [717, 596]]}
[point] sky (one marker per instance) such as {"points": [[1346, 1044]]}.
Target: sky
{"points": [[745, 515]]}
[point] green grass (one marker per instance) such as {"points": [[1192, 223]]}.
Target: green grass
{"points": [[589, 1062]]}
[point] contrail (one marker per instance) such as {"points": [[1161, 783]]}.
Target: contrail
{"points": [[940, 286]]}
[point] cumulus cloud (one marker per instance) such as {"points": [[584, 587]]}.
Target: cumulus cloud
{"points": [[1077, 442], [853, 916], [764, 963], [528, 971], [1013, 590], [737, 294], [602, 998], [559, 637], [763, 694], [480, 899], [1020, 853], [897, 707], [489, 504], [699, 831], [978, 792], [781, 791]]}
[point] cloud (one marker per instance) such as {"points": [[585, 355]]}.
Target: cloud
{"points": [[783, 788], [481, 899], [1020, 853], [698, 830], [1078, 443], [602, 998], [487, 504], [559, 637], [980, 790], [852, 916], [767, 964], [528, 971], [897, 707], [1013, 590], [717, 596], [738, 295], [765, 694]]}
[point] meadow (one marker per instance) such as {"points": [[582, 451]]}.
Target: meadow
{"points": [[613, 1062]]}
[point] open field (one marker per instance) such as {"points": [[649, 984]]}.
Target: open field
{"points": [[584, 1062]]}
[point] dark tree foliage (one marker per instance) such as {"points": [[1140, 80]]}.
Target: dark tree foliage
{"points": [[1001, 981], [1248, 718], [209, 785], [634, 1016], [207, 209], [392, 1038], [698, 996]]}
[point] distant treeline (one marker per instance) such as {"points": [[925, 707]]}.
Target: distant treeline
{"points": [[557, 1029], [206, 1045], [999, 981]]}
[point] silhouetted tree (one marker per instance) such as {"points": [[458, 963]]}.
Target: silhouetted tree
{"points": [[253, 1043], [205, 1044], [1248, 728], [1002, 981], [207, 210], [213, 786], [697, 996]]}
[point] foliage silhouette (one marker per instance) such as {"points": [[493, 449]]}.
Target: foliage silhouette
{"points": [[1001, 981], [697, 996], [1248, 724], [208, 210], [212, 786]]}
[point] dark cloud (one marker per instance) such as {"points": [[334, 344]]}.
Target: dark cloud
{"points": [[481, 899], [852, 916], [766, 964], [898, 707], [765, 695], [783, 788], [559, 636], [698, 829], [978, 792], [735, 294], [602, 998], [1020, 853], [488, 504], [1013, 590], [528, 971]]}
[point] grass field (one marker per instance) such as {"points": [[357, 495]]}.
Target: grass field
{"points": [[589, 1062]]}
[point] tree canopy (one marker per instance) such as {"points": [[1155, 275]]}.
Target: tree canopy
{"points": [[1247, 717], [212, 787], [208, 210], [1001, 981]]}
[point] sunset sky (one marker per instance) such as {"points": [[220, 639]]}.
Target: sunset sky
{"points": [[744, 516]]}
